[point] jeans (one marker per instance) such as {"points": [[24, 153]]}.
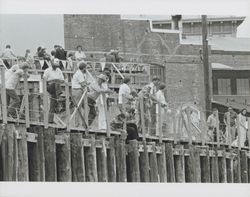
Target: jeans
{"points": [[13, 101], [77, 94], [92, 110]]}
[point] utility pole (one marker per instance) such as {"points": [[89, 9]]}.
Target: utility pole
{"points": [[206, 67]]}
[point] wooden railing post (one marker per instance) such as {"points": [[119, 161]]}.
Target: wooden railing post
{"points": [[45, 104], [3, 96], [239, 132], [86, 109], [158, 121], [228, 128], [142, 119], [189, 126], [217, 129], [67, 105], [248, 133], [26, 99], [106, 114]]}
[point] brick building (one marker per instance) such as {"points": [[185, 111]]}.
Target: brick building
{"points": [[139, 42]]}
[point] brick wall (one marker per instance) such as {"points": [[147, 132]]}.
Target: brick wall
{"points": [[98, 34]]}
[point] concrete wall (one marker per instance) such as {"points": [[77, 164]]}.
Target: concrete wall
{"points": [[100, 33]]}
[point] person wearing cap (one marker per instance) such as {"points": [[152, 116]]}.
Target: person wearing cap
{"points": [[79, 84], [54, 78], [43, 55], [11, 85], [9, 72], [61, 54], [95, 90], [79, 54]]}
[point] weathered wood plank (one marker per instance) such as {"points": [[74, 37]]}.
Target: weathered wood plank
{"points": [[64, 160], [197, 165], [77, 158], [120, 153], [205, 167], [222, 167], [190, 165], [243, 166], [3, 96], [170, 162], [102, 162], [179, 163], [133, 157], [144, 163], [111, 165], [154, 176], [23, 168], [236, 166], [50, 154], [162, 166], [90, 161], [214, 167]]}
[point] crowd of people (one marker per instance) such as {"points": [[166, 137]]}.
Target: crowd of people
{"points": [[151, 98]]}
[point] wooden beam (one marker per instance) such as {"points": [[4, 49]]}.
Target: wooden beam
{"points": [[120, 153], [154, 175], [111, 160], [67, 103], [3, 96], [45, 105], [102, 162], [180, 166], [170, 162], [26, 100], [144, 163], [133, 156], [162, 166]]}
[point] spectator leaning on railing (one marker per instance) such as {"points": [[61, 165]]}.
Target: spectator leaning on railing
{"points": [[7, 55], [212, 125], [11, 85], [79, 54]]}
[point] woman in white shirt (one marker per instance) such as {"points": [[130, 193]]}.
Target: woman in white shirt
{"points": [[79, 54]]}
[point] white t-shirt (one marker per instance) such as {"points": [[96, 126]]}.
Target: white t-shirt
{"points": [[51, 74], [10, 71], [78, 78], [80, 55], [124, 90], [153, 88], [7, 54], [13, 80]]}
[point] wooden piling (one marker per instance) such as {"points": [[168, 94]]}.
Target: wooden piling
{"points": [[222, 166], [90, 161], [64, 160], [26, 100], [179, 163], [236, 167], [3, 96], [77, 158], [205, 166], [230, 168], [243, 166], [144, 163], [190, 166], [170, 162], [162, 167], [154, 176], [197, 164], [50, 154], [101, 154], [214, 166], [120, 155], [133, 156], [23, 169], [111, 165]]}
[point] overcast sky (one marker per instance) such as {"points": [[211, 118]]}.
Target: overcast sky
{"points": [[30, 31]]}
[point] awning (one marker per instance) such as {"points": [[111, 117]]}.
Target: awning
{"points": [[219, 66]]}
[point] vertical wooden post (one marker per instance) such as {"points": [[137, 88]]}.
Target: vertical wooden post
{"points": [[162, 166], [160, 124], [180, 165], [120, 153], [190, 165], [217, 129], [142, 119], [23, 168], [239, 132], [26, 100], [106, 114], [189, 126], [154, 176], [50, 154], [175, 127], [170, 162], [222, 167], [3, 96], [40, 154], [229, 163], [45, 105], [144, 163], [67, 105], [248, 133], [214, 167], [102, 162], [86, 109], [197, 165], [77, 157], [229, 131], [205, 167], [90, 158], [111, 164], [237, 173], [133, 155], [64, 160], [243, 166], [203, 129]]}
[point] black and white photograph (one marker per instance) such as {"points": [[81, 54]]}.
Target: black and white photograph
{"points": [[125, 98]]}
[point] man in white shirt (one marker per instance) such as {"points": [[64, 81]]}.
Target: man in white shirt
{"points": [[54, 78], [15, 67], [7, 55], [11, 85], [124, 93], [79, 54], [79, 83]]}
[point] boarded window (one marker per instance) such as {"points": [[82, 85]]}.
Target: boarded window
{"points": [[224, 87], [243, 86]]}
